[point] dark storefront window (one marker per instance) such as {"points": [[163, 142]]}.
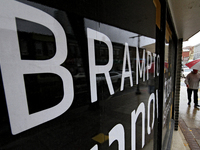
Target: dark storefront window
{"points": [[117, 110], [169, 69], [81, 75]]}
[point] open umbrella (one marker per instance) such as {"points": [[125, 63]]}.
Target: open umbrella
{"points": [[195, 64]]}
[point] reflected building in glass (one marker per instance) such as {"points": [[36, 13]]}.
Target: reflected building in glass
{"points": [[85, 75]]}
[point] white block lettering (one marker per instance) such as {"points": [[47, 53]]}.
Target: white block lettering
{"points": [[142, 69], [13, 68], [134, 117], [94, 147], [149, 63], [117, 133], [129, 72], [154, 66], [151, 98], [98, 69]]}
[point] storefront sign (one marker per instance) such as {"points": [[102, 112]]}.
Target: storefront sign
{"points": [[13, 69]]}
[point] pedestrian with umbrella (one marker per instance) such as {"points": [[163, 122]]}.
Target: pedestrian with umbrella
{"points": [[192, 81]]}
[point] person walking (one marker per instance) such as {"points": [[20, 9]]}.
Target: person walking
{"points": [[192, 83]]}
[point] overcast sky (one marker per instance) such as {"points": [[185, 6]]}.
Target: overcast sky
{"points": [[193, 41]]}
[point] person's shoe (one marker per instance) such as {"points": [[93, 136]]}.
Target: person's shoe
{"points": [[196, 106]]}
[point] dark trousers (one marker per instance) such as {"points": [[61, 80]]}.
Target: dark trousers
{"points": [[195, 93]]}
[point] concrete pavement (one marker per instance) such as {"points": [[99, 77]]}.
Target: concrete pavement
{"points": [[188, 135]]}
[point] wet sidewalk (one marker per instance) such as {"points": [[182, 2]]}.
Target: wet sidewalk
{"points": [[189, 123]]}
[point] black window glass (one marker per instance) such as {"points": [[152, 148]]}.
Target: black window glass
{"points": [[103, 82]]}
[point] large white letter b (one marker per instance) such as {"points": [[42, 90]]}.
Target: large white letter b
{"points": [[13, 68]]}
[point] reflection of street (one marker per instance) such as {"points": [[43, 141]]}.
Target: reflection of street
{"points": [[77, 127], [118, 108], [115, 77]]}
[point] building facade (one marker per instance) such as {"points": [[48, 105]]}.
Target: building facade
{"points": [[88, 75], [196, 52]]}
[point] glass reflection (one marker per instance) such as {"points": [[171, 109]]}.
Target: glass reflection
{"points": [[78, 127], [117, 108], [168, 85]]}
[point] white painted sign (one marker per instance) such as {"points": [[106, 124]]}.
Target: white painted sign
{"points": [[13, 69]]}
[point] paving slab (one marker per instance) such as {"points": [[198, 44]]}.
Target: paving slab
{"points": [[189, 119]]}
